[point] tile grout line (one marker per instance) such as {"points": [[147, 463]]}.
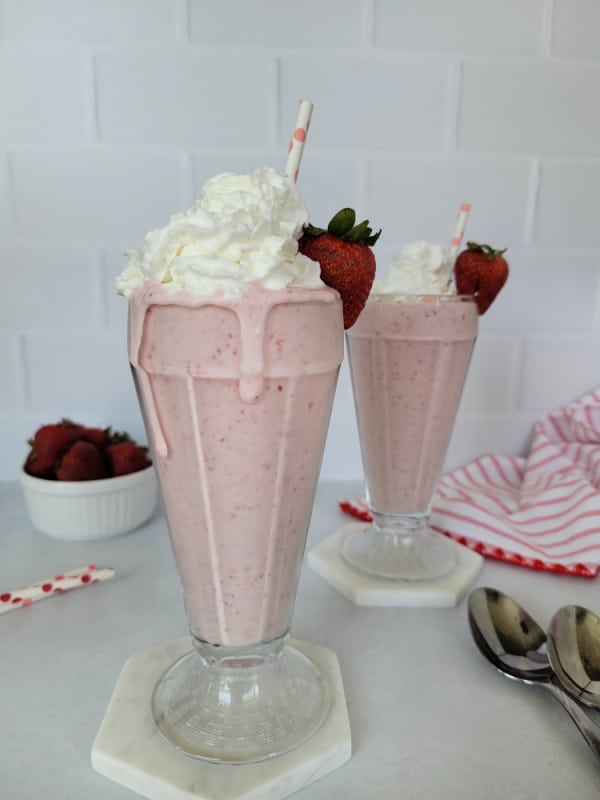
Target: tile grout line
{"points": [[596, 310], [362, 187], [24, 388], [99, 282], [274, 104], [182, 21], [367, 26], [12, 216], [546, 28], [515, 394], [531, 205], [453, 100], [90, 98], [189, 186]]}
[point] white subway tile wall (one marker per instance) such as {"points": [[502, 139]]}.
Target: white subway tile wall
{"points": [[416, 197], [90, 20], [571, 38], [96, 194], [180, 96], [469, 26], [569, 202], [42, 94], [113, 113], [310, 24], [548, 107]]}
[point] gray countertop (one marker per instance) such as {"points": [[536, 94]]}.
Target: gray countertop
{"points": [[430, 719]]}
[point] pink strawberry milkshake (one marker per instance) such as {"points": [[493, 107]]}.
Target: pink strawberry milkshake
{"points": [[237, 397], [235, 346], [409, 357]]}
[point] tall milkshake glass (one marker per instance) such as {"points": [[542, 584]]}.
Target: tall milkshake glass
{"points": [[236, 396], [409, 356]]}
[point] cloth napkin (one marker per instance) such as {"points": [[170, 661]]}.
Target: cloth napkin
{"points": [[541, 511]]}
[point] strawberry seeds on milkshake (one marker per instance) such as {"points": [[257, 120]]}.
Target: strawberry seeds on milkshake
{"points": [[235, 345], [409, 355]]}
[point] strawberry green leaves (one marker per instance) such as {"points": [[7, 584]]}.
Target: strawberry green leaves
{"points": [[342, 226]]}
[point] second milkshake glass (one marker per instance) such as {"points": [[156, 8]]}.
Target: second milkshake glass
{"points": [[236, 397], [409, 356]]}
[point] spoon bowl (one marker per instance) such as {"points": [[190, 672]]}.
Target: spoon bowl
{"points": [[574, 652], [508, 636], [515, 644]]}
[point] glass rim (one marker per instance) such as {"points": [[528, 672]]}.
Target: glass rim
{"points": [[444, 298]]}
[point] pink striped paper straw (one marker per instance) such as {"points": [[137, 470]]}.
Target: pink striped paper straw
{"points": [[74, 579], [296, 147], [461, 221]]}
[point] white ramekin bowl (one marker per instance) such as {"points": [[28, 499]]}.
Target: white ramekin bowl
{"points": [[91, 509]]}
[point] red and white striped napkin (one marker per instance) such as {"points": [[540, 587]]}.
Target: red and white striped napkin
{"points": [[542, 511]]}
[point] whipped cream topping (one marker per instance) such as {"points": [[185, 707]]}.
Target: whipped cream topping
{"points": [[417, 269], [243, 230]]}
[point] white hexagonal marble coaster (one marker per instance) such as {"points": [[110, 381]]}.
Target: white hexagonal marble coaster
{"points": [[365, 590], [130, 750]]}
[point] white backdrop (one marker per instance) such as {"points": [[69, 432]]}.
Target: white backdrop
{"points": [[114, 112]]}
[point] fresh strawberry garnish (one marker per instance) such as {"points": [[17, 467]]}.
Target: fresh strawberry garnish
{"points": [[83, 461], [344, 254], [481, 271], [126, 457]]}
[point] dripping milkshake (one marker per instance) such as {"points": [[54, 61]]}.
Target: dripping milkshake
{"points": [[235, 345], [409, 356]]}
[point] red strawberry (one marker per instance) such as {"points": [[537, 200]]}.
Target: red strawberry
{"points": [[49, 443], [481, 271], [98, 436], [40, 465], [126, 457], [347, 262], [82, 462], [54, 440]]}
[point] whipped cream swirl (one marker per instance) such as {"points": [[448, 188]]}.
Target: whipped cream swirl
{"points": [[417, 269], [243, 230]]}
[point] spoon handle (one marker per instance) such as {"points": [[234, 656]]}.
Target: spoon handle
{"points": [[588, 729]]}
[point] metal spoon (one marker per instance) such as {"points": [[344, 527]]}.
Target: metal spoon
{"points": [[514, 643], [574, 651]]}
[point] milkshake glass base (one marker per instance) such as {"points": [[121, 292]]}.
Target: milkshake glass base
{"points": [[239, 705], [398, 547]]}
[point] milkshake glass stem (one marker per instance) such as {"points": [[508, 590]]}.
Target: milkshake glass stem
{"points": [[240, 704], [399, 547]]}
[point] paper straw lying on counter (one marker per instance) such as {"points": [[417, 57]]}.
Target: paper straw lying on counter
{"points": [[296, 147], [64, 582]]}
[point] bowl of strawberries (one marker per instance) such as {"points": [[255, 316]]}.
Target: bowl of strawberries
{"points": [[82, 482]]}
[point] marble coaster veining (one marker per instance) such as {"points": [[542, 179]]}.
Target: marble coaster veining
{"points": [[130, 750], [365, 590]]}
